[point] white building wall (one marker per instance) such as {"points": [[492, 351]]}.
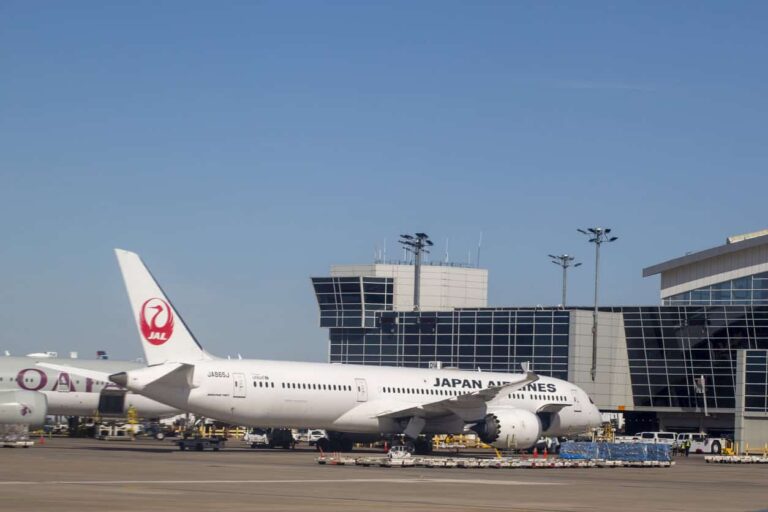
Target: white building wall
{"points": [[743, 263], [442, 287], [612, 387]]}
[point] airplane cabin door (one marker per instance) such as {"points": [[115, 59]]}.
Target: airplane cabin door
{"points": [[239, 383], [576, 402], [362, 390]]}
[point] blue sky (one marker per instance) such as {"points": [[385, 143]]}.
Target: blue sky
{"points": [[242, 147]]}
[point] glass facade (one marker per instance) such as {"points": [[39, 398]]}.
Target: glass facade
{"points": [[352, 301], [742, 291], [756, 381], [472, 339], [669, 347]]}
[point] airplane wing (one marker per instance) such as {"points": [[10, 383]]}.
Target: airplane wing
{"points": [[552, 407], [457, 404]]}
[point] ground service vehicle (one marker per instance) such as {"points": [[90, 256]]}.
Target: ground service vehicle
{"points": [[657, 437], [270, 438], [701, 442]]}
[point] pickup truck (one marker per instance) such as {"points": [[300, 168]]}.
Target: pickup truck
{"points": [[271, 438]]}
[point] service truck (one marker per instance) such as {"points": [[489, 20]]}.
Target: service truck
{"points": [[701, 442]]}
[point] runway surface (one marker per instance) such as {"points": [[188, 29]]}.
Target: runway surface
{"points": [[90, 475]]}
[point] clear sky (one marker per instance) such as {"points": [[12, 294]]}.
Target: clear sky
{"points": [[242, 147]]}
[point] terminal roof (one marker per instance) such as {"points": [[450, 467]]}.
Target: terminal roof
{"points": [[740, 243]]}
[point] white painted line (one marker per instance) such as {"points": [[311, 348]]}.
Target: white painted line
{"points": [[453, 481]]}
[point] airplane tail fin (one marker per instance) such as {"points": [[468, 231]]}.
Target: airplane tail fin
{"points": [[164, 335]]}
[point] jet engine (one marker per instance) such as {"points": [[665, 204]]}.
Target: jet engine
{"points": [[509, 428], [22, 407]]}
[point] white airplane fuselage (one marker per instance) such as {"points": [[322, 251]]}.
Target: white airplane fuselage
{"points": [[354, 398], [69, 394]]}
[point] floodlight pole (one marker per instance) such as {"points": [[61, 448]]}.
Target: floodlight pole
{"points": [[416, 279], [597, 236], [564, 261], [416, 244]]}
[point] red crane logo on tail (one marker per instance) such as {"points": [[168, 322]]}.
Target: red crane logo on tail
{"points": [[156, 321]]}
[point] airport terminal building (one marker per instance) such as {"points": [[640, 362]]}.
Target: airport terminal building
{"points": [[698, 361]]}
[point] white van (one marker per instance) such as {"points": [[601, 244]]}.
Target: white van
{"points": [[657, 437]]}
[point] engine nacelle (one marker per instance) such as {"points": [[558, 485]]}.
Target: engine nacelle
{"points": [[509, 428], [23, 407]]}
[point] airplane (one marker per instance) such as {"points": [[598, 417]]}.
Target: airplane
{"points": [[29, 393], [506, 410]]}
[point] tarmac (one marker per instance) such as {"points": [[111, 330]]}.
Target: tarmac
{"points": [[147, 475]]}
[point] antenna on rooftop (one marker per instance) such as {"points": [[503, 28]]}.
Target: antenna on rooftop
{"points": [[479, 243]]}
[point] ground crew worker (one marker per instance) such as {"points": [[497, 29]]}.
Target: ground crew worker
{"points": [[687, 446]]}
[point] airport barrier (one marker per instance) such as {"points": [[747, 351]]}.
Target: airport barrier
{"points": [[476, 462], [736, 459], [627, 452]]}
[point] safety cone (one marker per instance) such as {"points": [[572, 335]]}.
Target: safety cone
{"points": [[535, 453], [546, 454], [42, 439]]}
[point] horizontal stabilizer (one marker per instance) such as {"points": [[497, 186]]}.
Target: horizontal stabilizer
{"points": [[177, 375]]}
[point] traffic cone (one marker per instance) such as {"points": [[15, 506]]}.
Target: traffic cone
{"points": [[535, 453], [42, 439], [546, 454]]}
